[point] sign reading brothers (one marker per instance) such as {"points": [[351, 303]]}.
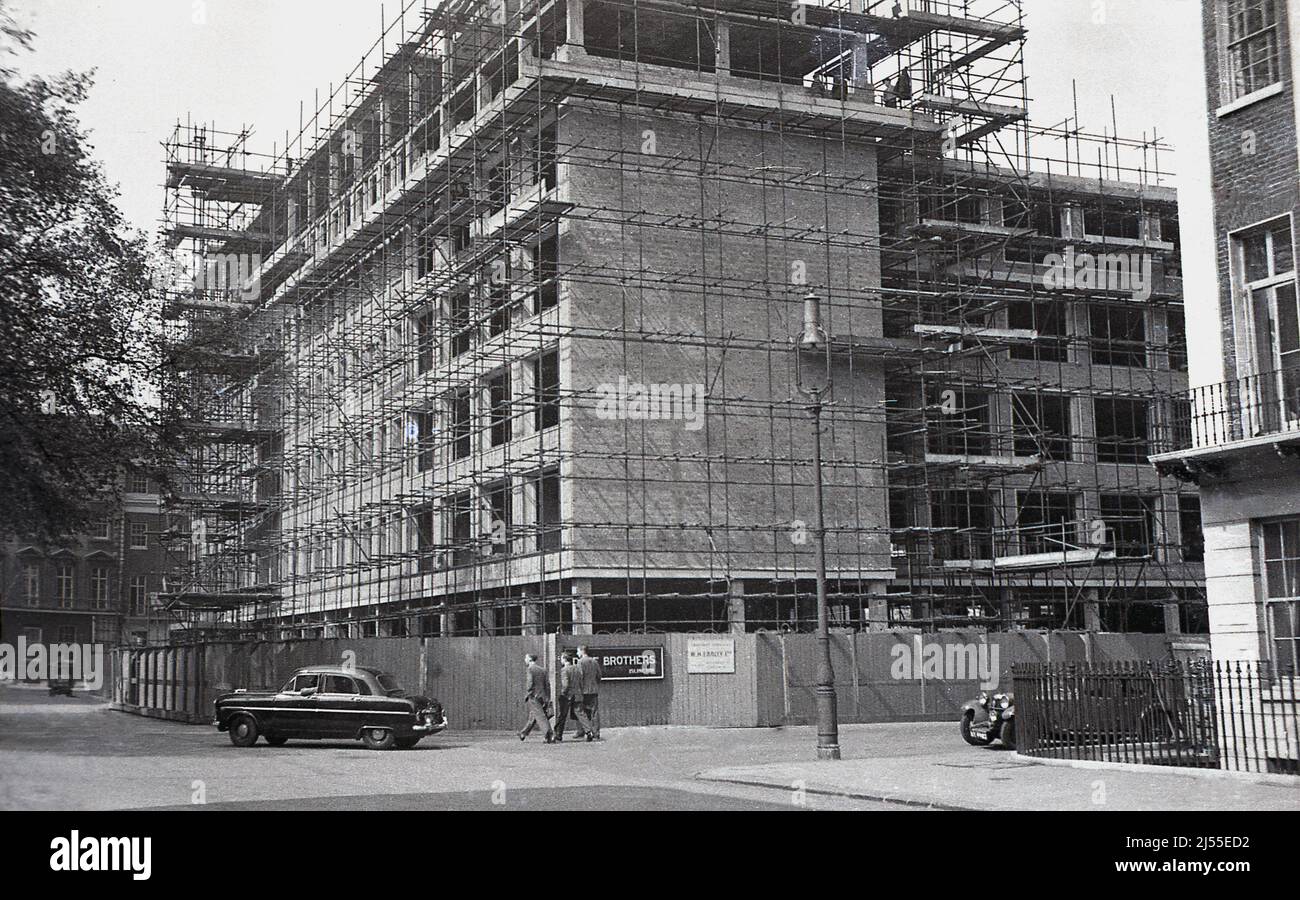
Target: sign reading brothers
{"points": [[629, 663]]}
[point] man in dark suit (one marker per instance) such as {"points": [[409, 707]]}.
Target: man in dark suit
{"points": [[537, 697], [570, 700], [591, 675]]}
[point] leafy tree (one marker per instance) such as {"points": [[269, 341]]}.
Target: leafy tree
{"points": [[79, 335]]}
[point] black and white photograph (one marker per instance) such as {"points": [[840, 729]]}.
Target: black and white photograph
{"points": [[677, 410]]}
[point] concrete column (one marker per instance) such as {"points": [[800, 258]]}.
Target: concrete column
{"points": [[574, 32], [736, 607], [1091, 610], [861, 71], [532, 615], [1173, 619], [723, 47], [878, 608], [487, 620], [581, 591]]}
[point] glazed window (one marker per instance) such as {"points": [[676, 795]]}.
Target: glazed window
{"points": [[339, 684], [1282, 590], [301, 682], [1250, 45]]}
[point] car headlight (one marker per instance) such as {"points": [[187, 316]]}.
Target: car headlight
{"points": [[983, 699], [1000, 701]]}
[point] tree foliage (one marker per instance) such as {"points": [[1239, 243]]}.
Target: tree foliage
{"points": [[78, 317]]}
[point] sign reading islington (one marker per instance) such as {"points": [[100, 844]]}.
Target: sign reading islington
{"points": [[630, 663]]}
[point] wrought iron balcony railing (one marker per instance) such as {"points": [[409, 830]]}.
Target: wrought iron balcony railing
{"points": [[1255, 406]]}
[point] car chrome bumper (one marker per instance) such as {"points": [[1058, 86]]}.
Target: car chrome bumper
{"points": [[430, 727]]}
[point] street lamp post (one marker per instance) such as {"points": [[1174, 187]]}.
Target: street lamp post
{"points": [[814, 382]]}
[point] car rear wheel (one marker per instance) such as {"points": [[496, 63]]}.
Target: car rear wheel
{"points": [[243, 731], [407, 743], [378, 738], [276, 740]]}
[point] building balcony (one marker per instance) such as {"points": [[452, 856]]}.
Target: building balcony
{"points": [[1217, 421]]}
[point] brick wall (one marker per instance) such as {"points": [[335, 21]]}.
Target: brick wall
{"points": [[1248, 186]]}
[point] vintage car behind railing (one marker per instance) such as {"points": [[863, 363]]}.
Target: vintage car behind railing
{"points": [[331, 702]]}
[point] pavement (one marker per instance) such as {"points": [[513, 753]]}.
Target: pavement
{"points": [[76, 754], [989, 778]]}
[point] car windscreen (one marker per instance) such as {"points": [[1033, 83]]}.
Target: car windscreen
{"points": [[389, 685]]}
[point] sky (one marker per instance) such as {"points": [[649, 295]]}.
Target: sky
{"points": [[240, 63]]}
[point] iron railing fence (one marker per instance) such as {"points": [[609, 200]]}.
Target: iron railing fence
{"points": [[1216, 414], [1237, 716]]}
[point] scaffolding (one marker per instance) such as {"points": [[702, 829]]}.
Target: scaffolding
{"points": [[502, 340]]}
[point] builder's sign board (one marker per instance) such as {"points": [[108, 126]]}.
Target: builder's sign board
{"points": [[710, 656], [630, 663]]}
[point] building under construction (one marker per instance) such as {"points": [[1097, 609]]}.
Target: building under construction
{"points": [[503, 340]]}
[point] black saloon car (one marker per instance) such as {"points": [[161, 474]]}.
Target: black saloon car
{"points": [[331, 702]]}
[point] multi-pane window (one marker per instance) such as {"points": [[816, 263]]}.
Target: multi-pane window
{"points": [[99, 529], [139, 535], [546, 390], [67, 634], [1251, 48], [1282, 590], [138, 483], [99, 587], [32, 583], [1049, 320], [1041, 425], [1122, 429], [1119, 335], [66, 584], [139, 594], [1265, 259]]}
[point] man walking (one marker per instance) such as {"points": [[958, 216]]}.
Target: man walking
{"points": [[571, 699], [591, 675], [537, 697]]}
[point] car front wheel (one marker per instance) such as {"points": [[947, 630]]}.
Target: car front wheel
{"points": [[243, 731], [378, 738], [969, 735]]}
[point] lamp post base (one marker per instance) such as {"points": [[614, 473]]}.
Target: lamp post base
{"points": [[831, 752]]}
